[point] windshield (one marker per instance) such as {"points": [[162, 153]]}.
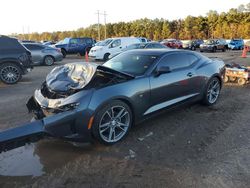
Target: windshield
{"points": [[104, 43], [133, 64], [210, 42]]}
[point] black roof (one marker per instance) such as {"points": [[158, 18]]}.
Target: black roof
{"points": [[161, 52], [28, 43], [157, 52]]}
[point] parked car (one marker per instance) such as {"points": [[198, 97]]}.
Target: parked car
{"points": [[172, 43], [75, 45], [15, 60], [236, 44], [189, 44], [84, 101], [213, 45], [144, 45], [198, 42], [44, 55], [49, 43], [111, 46]]}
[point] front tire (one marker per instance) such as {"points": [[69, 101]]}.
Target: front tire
{"points": [[106, 57], [212, 92], [64, 53], [112, 122], [10, 73]]}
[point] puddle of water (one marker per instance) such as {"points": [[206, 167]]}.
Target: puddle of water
{"points": [[40, 158], [21, 162]]}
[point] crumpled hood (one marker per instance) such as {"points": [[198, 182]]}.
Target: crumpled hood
{"points": [[70, 76]]}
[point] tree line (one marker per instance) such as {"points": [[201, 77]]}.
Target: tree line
{"points": [[232, 24]]}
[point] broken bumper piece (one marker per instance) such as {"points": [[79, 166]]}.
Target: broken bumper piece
{"points": [[19, 136], [59, 126]]}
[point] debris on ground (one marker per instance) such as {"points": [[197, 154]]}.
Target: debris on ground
{"points": [[131, 154], [148, 135]]}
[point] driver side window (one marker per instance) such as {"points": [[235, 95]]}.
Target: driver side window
{"points": [[116, 43], [177, 61]]}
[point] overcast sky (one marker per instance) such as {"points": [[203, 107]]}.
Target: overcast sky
{"points": [[59, 15]]}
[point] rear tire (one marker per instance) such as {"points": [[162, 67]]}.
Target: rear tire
{"points": [[112, 122], [10, 73], [212, 92], [48, 60]]}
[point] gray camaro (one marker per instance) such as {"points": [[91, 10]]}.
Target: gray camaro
{"points": [[44, 55], [82, 101]]}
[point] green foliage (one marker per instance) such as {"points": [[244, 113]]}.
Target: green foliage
{"points": [[233, 24]]}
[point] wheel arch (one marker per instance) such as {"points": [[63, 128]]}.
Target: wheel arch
{"points": [[64, 49], [219, 78], [107, 53], [122, 99]]}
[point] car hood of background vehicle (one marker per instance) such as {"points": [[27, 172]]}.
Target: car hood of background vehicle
{"points": [[97, 47], [77, 75]]}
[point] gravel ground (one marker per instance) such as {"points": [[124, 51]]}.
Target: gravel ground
{"points": [[192, 146]]}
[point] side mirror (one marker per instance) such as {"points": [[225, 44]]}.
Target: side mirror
{"points": [[162, 70]]}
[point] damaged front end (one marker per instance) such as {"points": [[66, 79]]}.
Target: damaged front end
{"points": [[60, 106], [60, 91]]}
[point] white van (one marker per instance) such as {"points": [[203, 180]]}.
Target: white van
{"points": [[111, 46]]}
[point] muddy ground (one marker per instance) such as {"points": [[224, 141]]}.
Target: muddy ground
{"points": [[192, 146]]}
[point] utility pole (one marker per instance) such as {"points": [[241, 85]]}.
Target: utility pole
{"points": [[105, 29], [98, 19], [23, 33]]}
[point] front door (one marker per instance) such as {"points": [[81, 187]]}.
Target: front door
{"points": [[176, 86]]}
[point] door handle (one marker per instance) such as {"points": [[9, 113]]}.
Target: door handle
{"points": [[190, 74]]}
